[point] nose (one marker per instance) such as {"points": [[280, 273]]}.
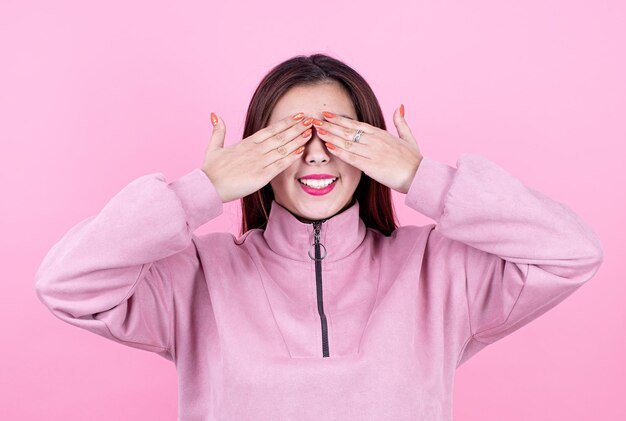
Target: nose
{"points": [[315, 151]]}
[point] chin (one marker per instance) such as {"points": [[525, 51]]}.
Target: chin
{"points": [[311, 208], [317, 211], [314, 215]]}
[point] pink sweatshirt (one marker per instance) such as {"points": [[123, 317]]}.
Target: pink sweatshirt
{"points": [[259, 330]]}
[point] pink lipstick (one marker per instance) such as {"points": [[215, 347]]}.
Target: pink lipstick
{"points": [[315, 187]]}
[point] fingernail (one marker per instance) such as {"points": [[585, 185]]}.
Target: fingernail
{"points": [[299, 150], [402, 110], [322, 131], [307, 132], [298, 116], [214, 119], [317, 122], [328, 114], [308, 121], [330, 146]]}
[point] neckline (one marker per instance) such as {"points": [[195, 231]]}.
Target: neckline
{"points": [[289, 237]]}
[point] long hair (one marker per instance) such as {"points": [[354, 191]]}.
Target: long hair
{"points": [[375, 203]]}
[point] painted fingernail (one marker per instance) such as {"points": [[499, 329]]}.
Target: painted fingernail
{"points": [[317, 122], [299, 150], [298, 116], [402, 110], [322, 131], [328, 114], [330, 146], [307, 132], [213, 119], [308, 121]]}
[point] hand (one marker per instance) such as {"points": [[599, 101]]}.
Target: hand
{"points": [[243, 168], [385, 158]]}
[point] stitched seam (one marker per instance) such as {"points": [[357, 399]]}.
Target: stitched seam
{"points": [[469, 314], [269, 303], [430, 228], [458, 358], [130, 342], [510, 312], [126, 299], [371, 311], [170, 311]]}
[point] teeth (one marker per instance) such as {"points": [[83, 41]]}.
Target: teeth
{"points": [[317, 184]]}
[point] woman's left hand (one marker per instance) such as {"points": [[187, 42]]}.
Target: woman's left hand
{"points": [[390, 160]]}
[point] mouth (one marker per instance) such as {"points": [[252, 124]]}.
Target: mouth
{"points": [[318, 187]]}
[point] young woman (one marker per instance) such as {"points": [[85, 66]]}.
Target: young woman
{"points": [[322, 308]]}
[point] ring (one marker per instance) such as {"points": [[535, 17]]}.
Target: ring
{"points": [[357, 135]]}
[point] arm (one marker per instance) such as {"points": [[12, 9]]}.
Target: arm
{"points": [[523, 252], [108, 274]]}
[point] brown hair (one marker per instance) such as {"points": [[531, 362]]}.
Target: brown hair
{"points": [[375, 203]]}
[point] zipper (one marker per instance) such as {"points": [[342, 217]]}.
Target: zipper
{"points": [[319, 256]]}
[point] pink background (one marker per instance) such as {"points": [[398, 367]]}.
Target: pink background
{"points": [[95, 94]]}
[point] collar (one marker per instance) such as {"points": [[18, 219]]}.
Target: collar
{"points": [[287, 236]]}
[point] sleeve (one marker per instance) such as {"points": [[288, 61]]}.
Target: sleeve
{"points": [[523, 252], [107, 274]]}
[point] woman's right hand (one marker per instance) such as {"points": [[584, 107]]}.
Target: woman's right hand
{"points": [[243, 168]]}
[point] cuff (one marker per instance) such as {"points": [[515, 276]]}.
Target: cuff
{"points": [[428, 189], [199, 197]]}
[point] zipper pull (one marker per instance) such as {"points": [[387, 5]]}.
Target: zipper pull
{"points": [[317, 246]]}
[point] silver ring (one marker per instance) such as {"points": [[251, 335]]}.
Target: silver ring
{"points": [[322, 249], [357, 135]]}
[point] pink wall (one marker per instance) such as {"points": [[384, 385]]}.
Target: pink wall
{"points": [[95, 94]]}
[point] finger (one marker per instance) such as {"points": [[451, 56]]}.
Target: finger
{"points": [[277, 127], [219, 132], [295, 146], [346, 150], [354, 125], [346, 144], [276, 167], [351, 158], [402, 127], [281, 139], [343, 132], [279, 161]]}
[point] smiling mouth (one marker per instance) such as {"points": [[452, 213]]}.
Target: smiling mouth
{"points": [[317, 184]]}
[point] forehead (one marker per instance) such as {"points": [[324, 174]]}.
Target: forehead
{"points": [[312, 100]]}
